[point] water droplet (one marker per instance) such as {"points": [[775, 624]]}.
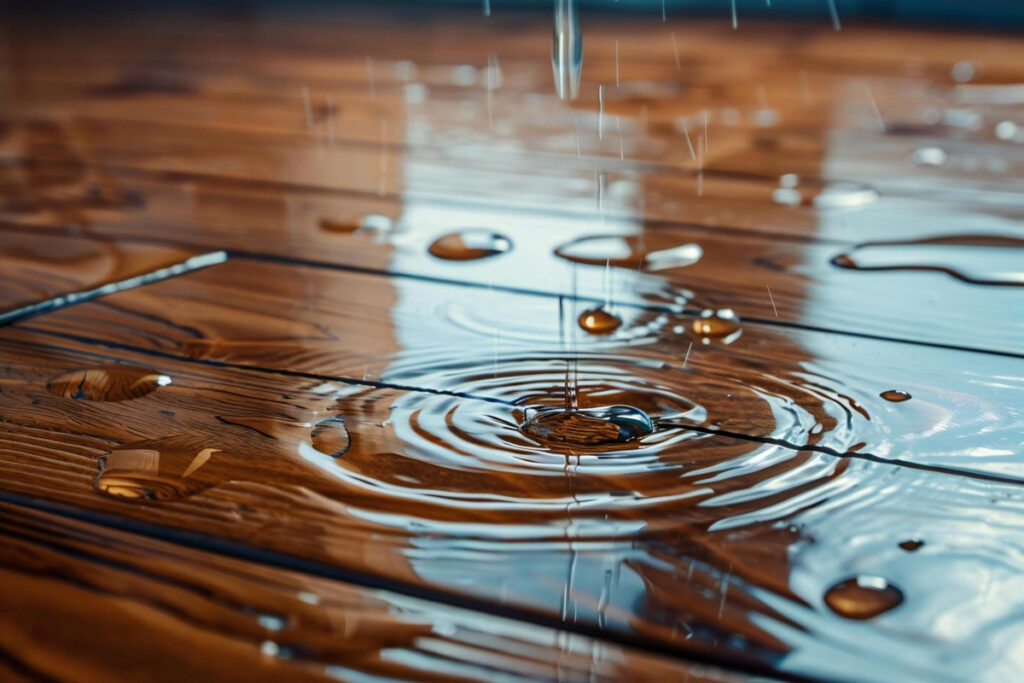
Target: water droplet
{"points": [[895, 396], [269, 648], [787, 196], [929, 156], [587, 426], [468, 245], [862, 597], [271, 622], [567, 49], [599, 321], [990, 260], [108, 383], [163, 469], [330, 436], [373, 222], [962, 72], [845, 196], [1006, 130], [789, 180], [722, 323], [626, 252], [911, 545]]}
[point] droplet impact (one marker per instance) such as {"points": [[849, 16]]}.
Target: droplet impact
{"points": [[895, 396], [722, 324], [862, 597], [599, 321], [163, 469], [929, 156], [108, 383], [469, 245], [331, 437], [911, 545], [587, 426]]}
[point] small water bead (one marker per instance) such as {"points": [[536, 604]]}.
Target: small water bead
{"points": [[721, 324], [895, 396], [863, 597], [1006, 130], [911, 545], [962, 72], [108, 383], [330, 436], [470, 245], [929, 156], [599, 321], [628, 252], [587, 426]]}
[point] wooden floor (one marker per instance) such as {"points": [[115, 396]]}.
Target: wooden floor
{"points": [[279, 291]]}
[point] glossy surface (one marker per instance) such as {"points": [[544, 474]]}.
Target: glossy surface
{"points": [[628, 364]]}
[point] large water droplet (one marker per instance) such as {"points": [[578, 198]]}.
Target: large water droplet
{"points": [[330, 436], [862, 597], [895, 395], [721, 324], [163, 469], [469, 245], [599, 321], [108, 383], [626, 252], [587, 426]]}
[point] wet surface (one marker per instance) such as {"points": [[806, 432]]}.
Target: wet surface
{"points": [[711, 347]]}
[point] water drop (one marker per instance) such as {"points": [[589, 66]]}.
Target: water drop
{"points": [[1006, 130], [911, 545], [108, 383], [962, 72], [599, 321], [567, 49], [271, 622], [330, 436], [722, 323], [862, 597], [587, 426], [845, 196], [626, 252], [789, 180], [163, 469], [373, 222], [895, 396], [469, 245], [929, 156], [787, 196]]}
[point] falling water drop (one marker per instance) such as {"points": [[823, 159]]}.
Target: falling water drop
{"points": [[108, 383], [722, 324], [587, 426], [599, 321], [470, 245], [567, 49], [895, 396], [862, 597]]}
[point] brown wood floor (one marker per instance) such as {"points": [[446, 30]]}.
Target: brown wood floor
{"points": [[279, 290]]}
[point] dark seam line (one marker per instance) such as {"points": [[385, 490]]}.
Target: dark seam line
{"points": [[234, 549], [66, 300], [856, 455], [895, 462]]}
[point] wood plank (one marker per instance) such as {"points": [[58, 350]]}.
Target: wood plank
{"points": [[37, 267], [119, 606], [803, 387], [721, 536]]}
